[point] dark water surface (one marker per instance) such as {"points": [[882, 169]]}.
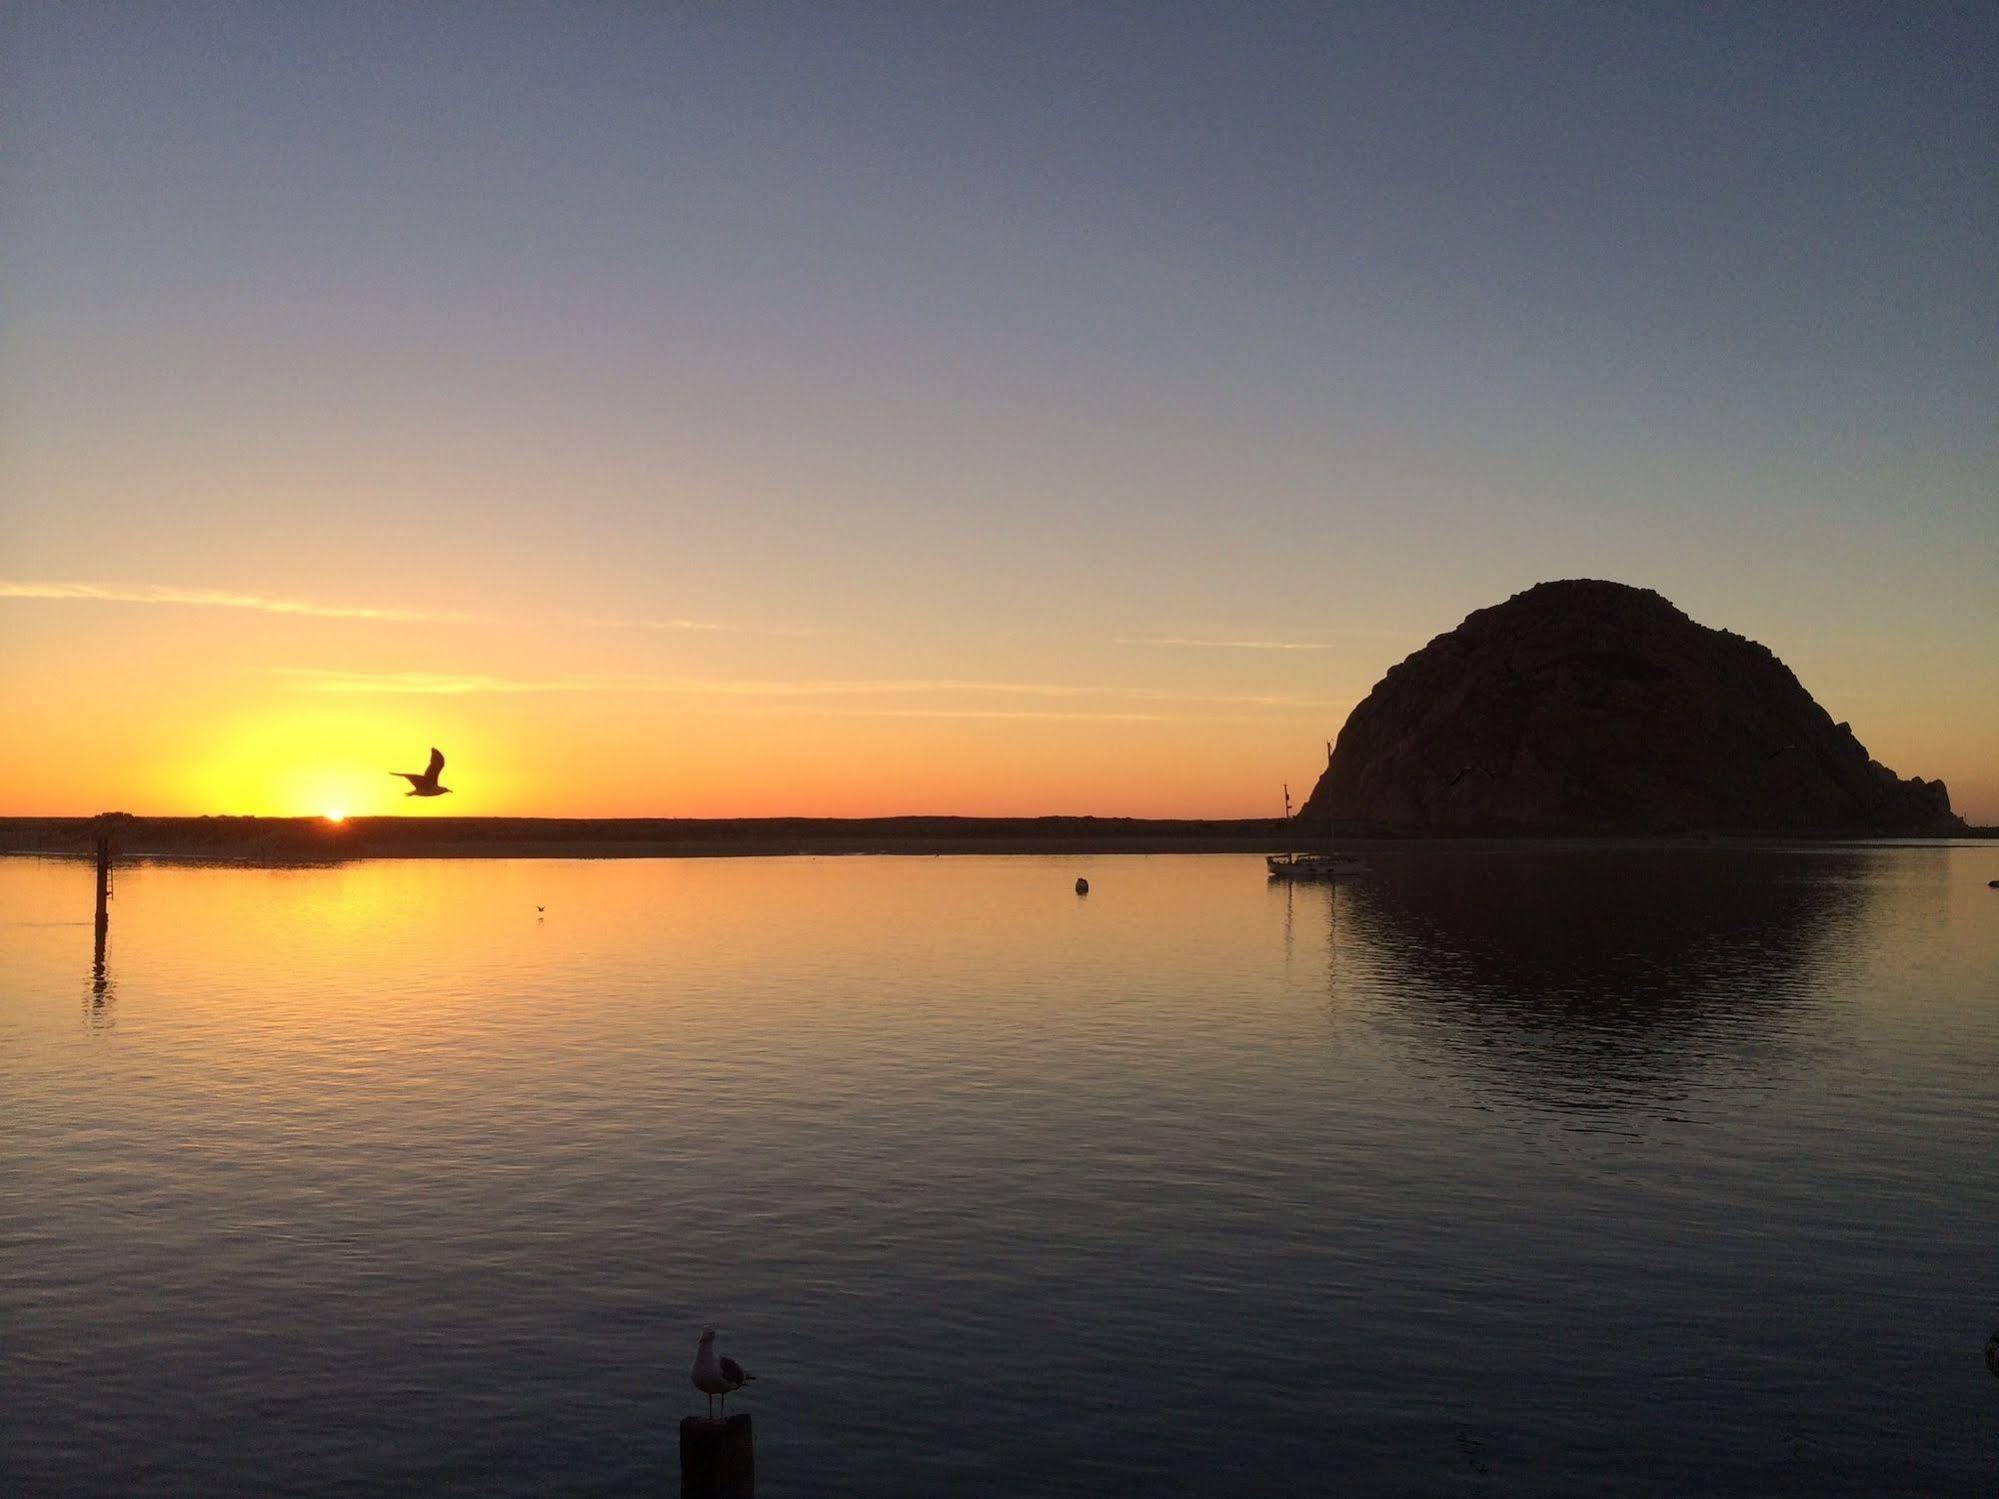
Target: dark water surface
{"points": [[1508, 1172]]}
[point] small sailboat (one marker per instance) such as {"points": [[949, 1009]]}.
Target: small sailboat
{"points": [[1329, 865]]}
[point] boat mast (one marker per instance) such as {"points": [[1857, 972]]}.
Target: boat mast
{"points": [[1329, 798]]}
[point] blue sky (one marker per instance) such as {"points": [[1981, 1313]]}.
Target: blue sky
{"points": [[976, 344]]}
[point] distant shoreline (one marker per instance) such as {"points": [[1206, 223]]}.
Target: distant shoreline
{"points": [[314, 840]]}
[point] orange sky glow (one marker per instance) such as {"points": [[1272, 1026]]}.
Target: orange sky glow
{"points": [[678, 412], [203, 708]]}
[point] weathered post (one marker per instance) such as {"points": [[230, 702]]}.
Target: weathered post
{"points": [[103, 831], [716, 1460]]}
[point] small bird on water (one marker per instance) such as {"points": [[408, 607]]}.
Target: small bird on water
{"points": [[426, 784], [714, 1375]]}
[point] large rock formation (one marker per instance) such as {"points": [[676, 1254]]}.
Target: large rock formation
{"points": [[1584, 706]]}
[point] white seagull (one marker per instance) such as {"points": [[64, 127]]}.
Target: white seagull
{"points": [[714, 1376], [426, 784]]}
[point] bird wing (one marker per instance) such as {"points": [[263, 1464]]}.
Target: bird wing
{"points": [[408, 775], [733, 1372], [436, 764]]}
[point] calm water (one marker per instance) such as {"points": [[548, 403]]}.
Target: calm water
{"points": [[1525, 1172]]}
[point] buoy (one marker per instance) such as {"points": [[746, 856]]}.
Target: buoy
{"points": [[1082, 887]]}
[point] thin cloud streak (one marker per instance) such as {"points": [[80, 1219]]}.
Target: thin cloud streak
{"points": [[1376, 631], [703, 625], [222, 598], [1000, 713], [215, 598], [315, 679], [698, 626], [1227, 645], [442, 684]]}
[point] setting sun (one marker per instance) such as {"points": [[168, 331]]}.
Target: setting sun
{"points": [[334, 814]]}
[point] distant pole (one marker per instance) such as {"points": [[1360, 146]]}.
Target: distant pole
{"points": [[103, 886], [716, 1459]]}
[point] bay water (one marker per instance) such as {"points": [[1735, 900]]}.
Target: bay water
{"points": [[1496, 1170]]}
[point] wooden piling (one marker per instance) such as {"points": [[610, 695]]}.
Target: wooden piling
{"points": [[716, 1458], [103, 884]]}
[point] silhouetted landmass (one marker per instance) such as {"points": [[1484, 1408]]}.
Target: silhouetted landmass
{"points": [[1592, 707], [280, 840]]}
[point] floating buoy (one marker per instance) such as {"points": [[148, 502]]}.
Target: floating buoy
{"points": [[1082, 887]]}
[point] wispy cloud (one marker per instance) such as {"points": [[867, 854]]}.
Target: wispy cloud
{"points": [[1226, 645], [702, 625], [224, 598], [677, 624], [212, 598], [1261, 644], [1249, 700], [315, 679], [999, 713], [446, 684], [449, 684]]}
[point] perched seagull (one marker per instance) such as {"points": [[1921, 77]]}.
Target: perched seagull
{"points": [[716, 1376], [425, 784]]}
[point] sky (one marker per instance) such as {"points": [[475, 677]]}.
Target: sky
{"points": [[997, 409]]}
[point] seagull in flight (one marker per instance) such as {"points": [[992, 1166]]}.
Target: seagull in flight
{"points": [[714, 1376], [425, 784]]}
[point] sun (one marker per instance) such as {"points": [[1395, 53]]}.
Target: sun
{"points": [[334, 814]]}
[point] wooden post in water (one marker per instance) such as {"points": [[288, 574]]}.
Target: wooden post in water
{"points": [[103, 832], [716, 1461]]}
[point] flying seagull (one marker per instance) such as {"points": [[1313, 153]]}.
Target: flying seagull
{"points": [[425, 784], [716, 1376]]}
